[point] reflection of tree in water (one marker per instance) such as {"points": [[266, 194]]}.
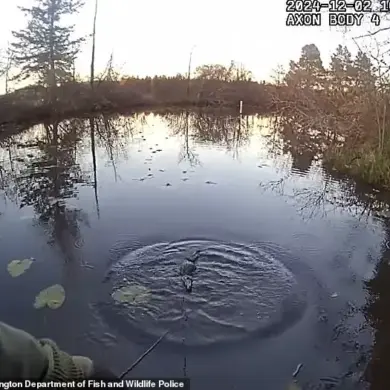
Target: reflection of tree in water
{"points": [[301, 142], [331, 196], [8, 173], [180, 124], [301, 162], [336, 193], [326, 193], [51, 178], [92, 126], [231, 132], [362, 202], [377, 313], [113, 134], [324, 196], [311, 201]]}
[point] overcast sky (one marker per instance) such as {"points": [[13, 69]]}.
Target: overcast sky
{"points": [[151, 37]]}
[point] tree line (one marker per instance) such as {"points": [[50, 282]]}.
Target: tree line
{"points": [[45, 51], [350, 89], [344, 74], [346, 103]]}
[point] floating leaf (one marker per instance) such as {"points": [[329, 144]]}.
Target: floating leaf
{"points": [[132, 294], [19, 267], [52, 297]]}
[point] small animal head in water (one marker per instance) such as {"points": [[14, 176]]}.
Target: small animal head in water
{"points": [[194, 256], [187, 268], [196, 253]]}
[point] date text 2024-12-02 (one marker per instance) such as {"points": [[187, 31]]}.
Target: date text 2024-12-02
{"points": [[339, 13]]}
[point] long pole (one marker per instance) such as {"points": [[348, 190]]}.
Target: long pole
{"points": [[146, 353]]}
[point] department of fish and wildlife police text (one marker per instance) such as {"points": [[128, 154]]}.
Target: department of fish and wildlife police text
{"points": [[181, 384], [339, 13]]}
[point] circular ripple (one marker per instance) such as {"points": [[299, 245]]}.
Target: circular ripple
{"points": [[238, 290]]}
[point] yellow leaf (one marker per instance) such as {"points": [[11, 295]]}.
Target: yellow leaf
{"points": [[19, 267], [52, 297], [132, 294]]}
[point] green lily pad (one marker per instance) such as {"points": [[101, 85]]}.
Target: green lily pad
{"points": [[19, 267], [134, 295], [53, 297]]}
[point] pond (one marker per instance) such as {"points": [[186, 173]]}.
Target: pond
{"points": [[221, 230]]}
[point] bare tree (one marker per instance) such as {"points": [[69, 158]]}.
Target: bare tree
{"points": [[5, 66], [93, 45], [189, 73]]}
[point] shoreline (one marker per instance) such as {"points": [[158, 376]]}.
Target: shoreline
{"points": [[28, 107]]}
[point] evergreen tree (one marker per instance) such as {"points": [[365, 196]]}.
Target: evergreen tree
{"points": [[342, 73], [311, 58], [309, 71], [363, 71], [46, 49]]}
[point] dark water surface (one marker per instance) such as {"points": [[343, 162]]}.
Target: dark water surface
{"points": [[290, 262]]}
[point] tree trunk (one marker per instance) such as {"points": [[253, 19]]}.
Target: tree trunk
{"points": [[189, 74], [93, 46], [10, 58], [7, 80], [52, 75]]}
